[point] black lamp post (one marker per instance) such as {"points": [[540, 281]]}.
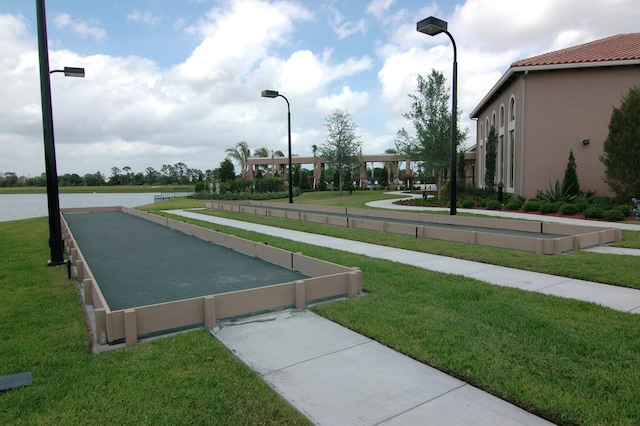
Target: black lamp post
{"points": [[275, 94], [55, 230], [433, 26]]}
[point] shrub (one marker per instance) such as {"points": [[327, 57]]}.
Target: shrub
{"points": [[531, 206], [580, 204], [512, 205], [557, 193], [606, 203], [613, 215], [468, 204], [594, 212], [568, 209], [625, 210], [547, 208], [494, 205]]}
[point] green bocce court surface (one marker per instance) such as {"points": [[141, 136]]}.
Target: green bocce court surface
{"points": [[137, 262]]}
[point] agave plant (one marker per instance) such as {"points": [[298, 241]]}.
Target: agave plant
{"points": [[557, 194]]}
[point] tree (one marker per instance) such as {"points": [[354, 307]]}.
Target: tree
{"points": [[322, 184], [241, 154], [570, 182], [622, 147], [431, 119], [384, 178], [226, 172], [490, 160], [342, 148]]}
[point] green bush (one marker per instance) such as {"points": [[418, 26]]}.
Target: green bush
{"points": [[580, 204], [468, 204], [494, 205], [568, 209], [594, 212], [547, 208], [625, 210], [606, 203], [613, 215], [512, 205], [531, 206]]}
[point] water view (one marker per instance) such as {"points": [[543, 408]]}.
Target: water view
{"points": [[24, 206]]}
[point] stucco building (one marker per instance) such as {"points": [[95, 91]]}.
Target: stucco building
{"points": [[545, 106]]}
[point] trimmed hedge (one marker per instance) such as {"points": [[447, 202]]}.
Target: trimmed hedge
{"points": [[531, 206]]}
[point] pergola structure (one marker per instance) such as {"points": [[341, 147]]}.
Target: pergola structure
{"points": [[280, 163]]}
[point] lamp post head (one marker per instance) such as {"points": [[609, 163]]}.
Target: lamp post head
{"points": [[73, 72], [269, 94], [432, 26]]}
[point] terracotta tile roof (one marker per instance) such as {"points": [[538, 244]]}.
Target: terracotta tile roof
{"points": [[622, 47]]}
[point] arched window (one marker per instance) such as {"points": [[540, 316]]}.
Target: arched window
{"points": [[493, 119], [501, 115], [512, 109]]}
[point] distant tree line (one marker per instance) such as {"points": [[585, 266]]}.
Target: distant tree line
{"points": [[176, 174]]}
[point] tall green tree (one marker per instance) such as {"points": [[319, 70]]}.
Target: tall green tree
{"points": [[431, 120], [342, 149], [226, 171], [570, 182], [490, 160], [621, 155], [241, 154]]}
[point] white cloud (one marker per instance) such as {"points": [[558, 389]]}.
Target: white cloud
{"points": [[146, 18], [129, 110], [85, 29], [342, 27], [379, 7], [345, 100]]}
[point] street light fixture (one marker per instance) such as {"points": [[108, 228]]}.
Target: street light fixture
{"points": [[70, 72], [434, 26], [55, 229], [275, 94]]}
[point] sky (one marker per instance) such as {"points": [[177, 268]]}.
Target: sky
{"points": [[171, 81]]}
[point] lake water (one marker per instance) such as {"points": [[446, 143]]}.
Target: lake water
{"points": [[24, 206]]}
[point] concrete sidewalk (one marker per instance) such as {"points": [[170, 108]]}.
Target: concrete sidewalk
{"points": [[337, 377]]}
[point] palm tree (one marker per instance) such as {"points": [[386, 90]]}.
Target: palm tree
{"points": [[393, 168], [241, 154], [262, 153]]}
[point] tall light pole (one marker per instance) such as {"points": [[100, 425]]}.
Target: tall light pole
{"points": [[55, 229], [433, 26], [275, 94]]}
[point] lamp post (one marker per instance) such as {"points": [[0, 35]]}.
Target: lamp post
{"points": [[275, 94], [433, 26], [55, 230]]}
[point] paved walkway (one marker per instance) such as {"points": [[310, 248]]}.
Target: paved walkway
{"points": [[337, 377]]}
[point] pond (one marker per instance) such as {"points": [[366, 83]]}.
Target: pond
{"points": [[24, 206]]}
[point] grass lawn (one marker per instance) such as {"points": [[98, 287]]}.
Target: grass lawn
{"points": [[186, 379], [571, 362]]}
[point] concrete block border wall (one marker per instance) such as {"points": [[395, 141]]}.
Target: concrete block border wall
{"points": [[326, 280], [571, 237]]}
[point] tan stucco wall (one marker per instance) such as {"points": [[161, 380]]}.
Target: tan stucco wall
{"points": [[561, 108]]}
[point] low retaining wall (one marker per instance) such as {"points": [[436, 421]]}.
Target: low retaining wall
{"points": [[572, 237], [326, 280]]}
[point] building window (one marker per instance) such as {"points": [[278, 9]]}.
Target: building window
{"points": [[501, 115], [493, 119], [501, 158], [512, 109], [512, 157]]}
